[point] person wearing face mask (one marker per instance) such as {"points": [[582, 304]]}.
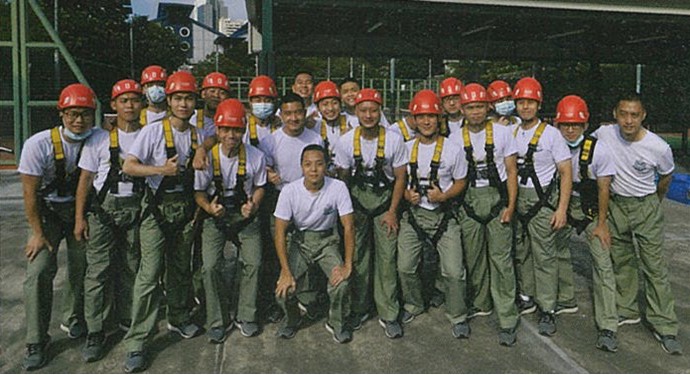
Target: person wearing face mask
{"points": [[153, 79], [500, 96], [214, 89], [49, 173], [593, 170]]}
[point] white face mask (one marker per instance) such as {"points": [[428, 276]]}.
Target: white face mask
{"points": [[262, 110], [76, 137], [155, 94], [576, 142], [505, 108]]}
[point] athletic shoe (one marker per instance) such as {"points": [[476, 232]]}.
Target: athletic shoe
{"points": [[36, 355], [407, 317], [623, 320], [565, 309], [437, 298], [217, 335], [187, 330], [342, 337], [526, 305], [247, 329], [75, 329], [357, 319], [275, 313], [461, 330], [475, 312], [669, 343], [135, 362], [286, 332], [507, 337], [547, 323], [607, 341], [310, 311], [392, 328], [93, 347]]}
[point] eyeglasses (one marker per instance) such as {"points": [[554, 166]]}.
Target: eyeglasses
{"points": [[73, 115]]}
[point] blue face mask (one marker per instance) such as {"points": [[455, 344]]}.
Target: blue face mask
{"points": [[262, 110], [76, 137], [576, 142], [155, 94], [505, 108]]}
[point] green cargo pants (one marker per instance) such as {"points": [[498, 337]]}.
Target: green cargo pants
{"points": [[566, 276], [246, 277], [450, 252], [642, 218], [536, 261], [170, 243], [371, 237], [57, 221], [323, 248], [112, 256], [488, 257]]}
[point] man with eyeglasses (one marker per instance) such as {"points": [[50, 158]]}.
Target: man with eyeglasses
{"points": [[49, 174]]}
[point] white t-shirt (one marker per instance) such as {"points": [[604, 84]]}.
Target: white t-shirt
{"points": [[209, 127], [395, 127], [287, 151], [453, 166], [395, 153], [38, 159], [152, 117], [353, 121], [332, 133], [602, 163], [455, 126], [149, 148], [504, 146], [314, 211], [255, 172], [95, 158], [551, 150], [637, 163]]}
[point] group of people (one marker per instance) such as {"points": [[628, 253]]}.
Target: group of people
{"points": [[468, 203]]}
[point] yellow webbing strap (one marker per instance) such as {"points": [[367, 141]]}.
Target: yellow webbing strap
{"points": [[167, 133], [142, 117], [215, 156], [57, 143], [403, 130], [380, 146], [200, 118], [252, 129]]}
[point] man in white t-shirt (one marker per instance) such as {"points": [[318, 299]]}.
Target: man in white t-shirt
{"points": [[488, 207], [214, 89], [436, 177], [449, 91], [49, 173], [230, 191], [312, 205], [372, 161], [109, 223], [162, 153], [349, 88], [331, 124], [593, 170], [153, 79], [543, 157], [635, 214]]}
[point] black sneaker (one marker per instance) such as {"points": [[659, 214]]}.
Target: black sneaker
{"points": [[275, 313], [75, 329], [566, 308], [461, 330], [135, 362], [248, 329], [36, 355], [217, 335], [407, 317], [669, 343], [341, 337], [507, 337], [357, 320], [392, 328], [606, 341], [526, 305], [93, 347], [187, 330], [310, 311], [286, 332], [437, 298], [547, 323], [124, 325]]}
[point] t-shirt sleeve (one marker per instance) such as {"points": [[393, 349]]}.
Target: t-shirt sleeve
{"points": [[666, 165], [142, 148], [342, 156], [202, 178], [33, 161], [267, 146], [559, 149], [460, 169], [89, 154], [510, 143], [283, 208], [604, 165], [260, 173], [400, 157], [344, 201]]}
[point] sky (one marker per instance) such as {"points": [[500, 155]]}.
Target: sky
{"points": [[236, 8]]}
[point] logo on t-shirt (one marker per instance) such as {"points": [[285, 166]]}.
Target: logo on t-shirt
{"points": [[641, 166]]}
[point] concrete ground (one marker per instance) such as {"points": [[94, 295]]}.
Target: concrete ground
{"points": [[427, 347]]}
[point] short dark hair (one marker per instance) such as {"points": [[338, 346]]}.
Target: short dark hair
{"points": [[314, 147], [347, 80], [630, 97], [303, 72], [291, 97]]}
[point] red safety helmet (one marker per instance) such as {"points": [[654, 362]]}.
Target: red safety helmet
{"points": [[216, 79], [473, 93], [498, 90], [528, 88], [368, 95], [326, 89], [572, 109], [230, 114], [125, 86], [263, 86], [180, 81], [425, 102], [76, 95], [450, 86], [153, 73]]}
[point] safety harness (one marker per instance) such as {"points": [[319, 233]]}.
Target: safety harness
{"points": [[239, 196], [587, 188], [253, 134], [414, 183], [186, 178], [403, 130], [378, 181], [65, 184], [444, 129], [200, 119], [493, 176], [526, 172], [342, 121], [142, 117]]}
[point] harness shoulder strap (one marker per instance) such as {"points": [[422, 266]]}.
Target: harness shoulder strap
{"points": [[169, 139], [200, 119], [403, 129], [253, 137], [586, 156], [142, 117]]}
